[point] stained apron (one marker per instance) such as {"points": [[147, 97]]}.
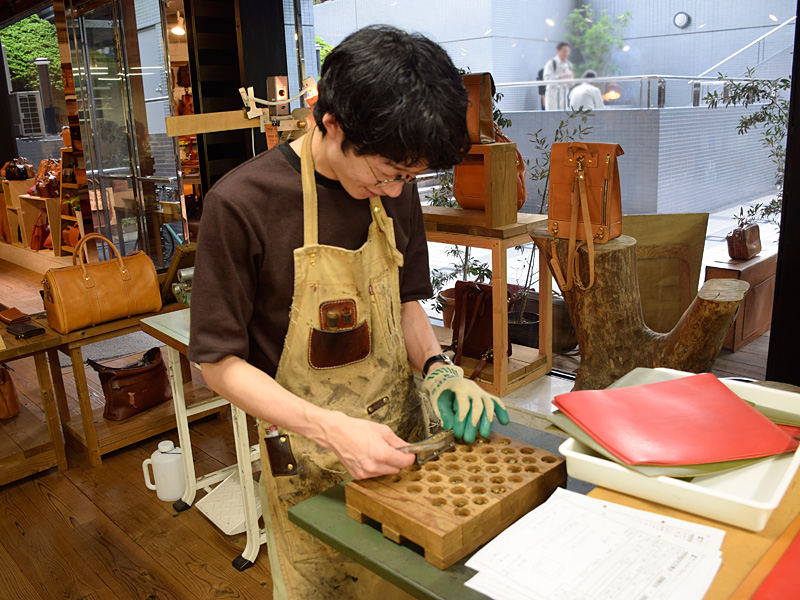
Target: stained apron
{"points": [[362, 371]]}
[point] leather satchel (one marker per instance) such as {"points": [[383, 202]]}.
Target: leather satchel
{"points": [[41, 230], [17, 169], [86, 294], [134, 388], [585, 205], [469, 178], [480, 89], [9, 404], [744, 242], [472, 324]]}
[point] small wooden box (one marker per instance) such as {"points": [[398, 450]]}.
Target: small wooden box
{"points": [[460, 501], [500, 189]]}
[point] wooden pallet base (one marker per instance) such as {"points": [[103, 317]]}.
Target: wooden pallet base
{"points": [[455, 504]]}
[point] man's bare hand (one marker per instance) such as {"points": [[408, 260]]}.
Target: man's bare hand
{"points": [[366, 449]]}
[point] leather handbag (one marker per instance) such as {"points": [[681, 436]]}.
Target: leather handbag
{"points": [[17, 169], [134, 388], [41, 230], [66, 136], [480, 89], [472, 324], [86, 294], [585, 205], [9, 404], [469, 178], [744, 242], [71, 235]]}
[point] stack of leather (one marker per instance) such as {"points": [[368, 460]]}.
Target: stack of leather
{"points": [[680, 428]]}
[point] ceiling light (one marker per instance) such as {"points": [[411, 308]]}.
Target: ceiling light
{"points": [[550, 22], [180, 27], [681, 20], [773, 18], [626, 48]]}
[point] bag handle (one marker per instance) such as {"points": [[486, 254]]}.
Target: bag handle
{"points": [[78, 260]]}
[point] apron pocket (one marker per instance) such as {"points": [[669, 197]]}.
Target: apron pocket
{"points": [[331, 349], [281, 459]]}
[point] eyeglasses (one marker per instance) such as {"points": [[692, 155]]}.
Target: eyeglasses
{"points": [[409, 179]]}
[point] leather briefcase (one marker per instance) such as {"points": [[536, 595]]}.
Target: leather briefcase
{"points": [[480, 124], [744, 242], [584, 204], [472, 324], [9, 405], [86, 294], [134, 388]]}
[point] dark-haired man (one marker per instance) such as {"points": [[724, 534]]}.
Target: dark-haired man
{"points": [[305, 310], [557, 68]]}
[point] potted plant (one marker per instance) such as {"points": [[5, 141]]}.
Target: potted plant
{"points": [[69, 206], [744, 242]]}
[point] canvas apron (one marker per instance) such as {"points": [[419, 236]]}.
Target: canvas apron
{"points": [[379, 387]]}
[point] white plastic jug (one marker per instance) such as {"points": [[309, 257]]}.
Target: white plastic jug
{"points": [[167, 465]]}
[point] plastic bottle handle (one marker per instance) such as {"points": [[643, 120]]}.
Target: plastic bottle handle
{"points": [[147, 481]]}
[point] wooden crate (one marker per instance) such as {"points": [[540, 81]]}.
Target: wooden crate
{"points": [[460, 501]]}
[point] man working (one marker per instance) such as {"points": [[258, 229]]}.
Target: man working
{"points": [[586, 95], [557, 68], [305, 310]]}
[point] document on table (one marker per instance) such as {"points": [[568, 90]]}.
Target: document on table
{"points": [[579, 548]]}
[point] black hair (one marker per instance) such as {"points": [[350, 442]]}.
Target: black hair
{"points": [[562, 44], [395, 95], [589, 74]]}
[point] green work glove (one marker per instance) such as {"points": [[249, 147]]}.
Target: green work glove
{"points": [[461, 404]]}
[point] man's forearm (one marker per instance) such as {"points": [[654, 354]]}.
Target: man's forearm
{"points": [[421, 342]]}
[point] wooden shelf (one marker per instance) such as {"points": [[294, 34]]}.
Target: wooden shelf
{"points": [[25, 444], [71, 186], [113, 435], [69, 218], [70, 249]]}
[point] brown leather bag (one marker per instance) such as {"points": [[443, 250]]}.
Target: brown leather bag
{"points": [[469, 178], [134, 388], [480, 89], [9, 405], [585, 205], [90, 293], [744, 242], [41, 230], [472, 324], [71, 235]]}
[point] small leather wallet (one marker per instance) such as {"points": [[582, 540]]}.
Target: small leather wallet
{"points": [[24, 330], [10, 316]]}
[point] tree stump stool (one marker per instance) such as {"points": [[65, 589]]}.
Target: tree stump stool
{"points": [[612, 336]]}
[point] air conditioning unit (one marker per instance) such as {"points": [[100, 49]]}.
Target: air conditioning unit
{"points": [[30, 116]]}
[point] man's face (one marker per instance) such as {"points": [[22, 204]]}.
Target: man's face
{"points": [[563, 53]]}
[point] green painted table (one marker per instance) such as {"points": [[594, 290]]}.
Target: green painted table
{"points": [[325, 517]]}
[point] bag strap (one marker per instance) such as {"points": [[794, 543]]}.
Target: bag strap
{"points": [[587, 226], [463, 330]]}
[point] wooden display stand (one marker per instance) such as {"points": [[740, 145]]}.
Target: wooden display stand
{"points": [[508, 230], [12, 190], [67, 189]]}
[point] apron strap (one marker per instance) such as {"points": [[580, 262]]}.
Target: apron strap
{"points": [[310, 227]]}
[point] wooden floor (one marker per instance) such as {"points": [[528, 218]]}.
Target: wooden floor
{"points": [[98, 533]]}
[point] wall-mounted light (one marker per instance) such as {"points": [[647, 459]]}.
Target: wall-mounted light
{"points": [[681, 20], [180, 27]]}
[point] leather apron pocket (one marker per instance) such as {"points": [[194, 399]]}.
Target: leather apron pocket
{"points": [[332, 349]]}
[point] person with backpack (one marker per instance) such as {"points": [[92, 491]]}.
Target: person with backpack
{"points": [[559, 67]]}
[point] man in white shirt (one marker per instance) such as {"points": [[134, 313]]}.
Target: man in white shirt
{"points": [[586, 95], [558, 68]]}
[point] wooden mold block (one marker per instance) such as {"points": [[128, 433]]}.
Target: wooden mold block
{"points": [[454, 504]]}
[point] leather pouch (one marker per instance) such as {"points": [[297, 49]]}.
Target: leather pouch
{"points": [[338, 315], [25, 330], [9, 405], [331, 349], [281, 459], [13, 315]]}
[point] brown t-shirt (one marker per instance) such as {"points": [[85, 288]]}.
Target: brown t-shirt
{"points": [[244, 270]]}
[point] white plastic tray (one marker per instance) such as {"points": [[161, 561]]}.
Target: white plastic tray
{"points": [[743, 497]]}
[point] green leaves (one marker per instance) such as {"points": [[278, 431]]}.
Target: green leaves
{"points": [[26, 40], [595, 35]]}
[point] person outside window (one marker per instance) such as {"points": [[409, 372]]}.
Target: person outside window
{"points": [[586, 95], [557, 68]]}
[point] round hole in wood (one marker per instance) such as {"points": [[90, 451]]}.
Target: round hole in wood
{"points": [[508, 451], [514, 469], [460, 501], [511, 460], [414, 468], [431, 467], [414, 489], [474, 469], [470, 458], [492, 469], [476, 479], [415, 477], [478, 489], [480, 500], [549, 459], [437, 489], [450, 457], [434, 478], [528, 460], [527, 450], [498, 489], [458, 490], [497, 479], [481, 441], [438, 501], [504, 441], [461, 512], [455, 480], [531, 469], [393, 478], [465, 448], [451, 466], [490, 460], [515, 479], [487, 450]]}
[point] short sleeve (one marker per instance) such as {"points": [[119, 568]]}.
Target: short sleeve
{"points": [[224, 283], [415, 282]]}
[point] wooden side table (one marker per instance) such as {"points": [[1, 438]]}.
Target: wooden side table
{"points": [[27, 445], [755, 315]]}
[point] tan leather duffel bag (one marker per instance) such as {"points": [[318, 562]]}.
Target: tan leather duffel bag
{"points": [[91, 293]]}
